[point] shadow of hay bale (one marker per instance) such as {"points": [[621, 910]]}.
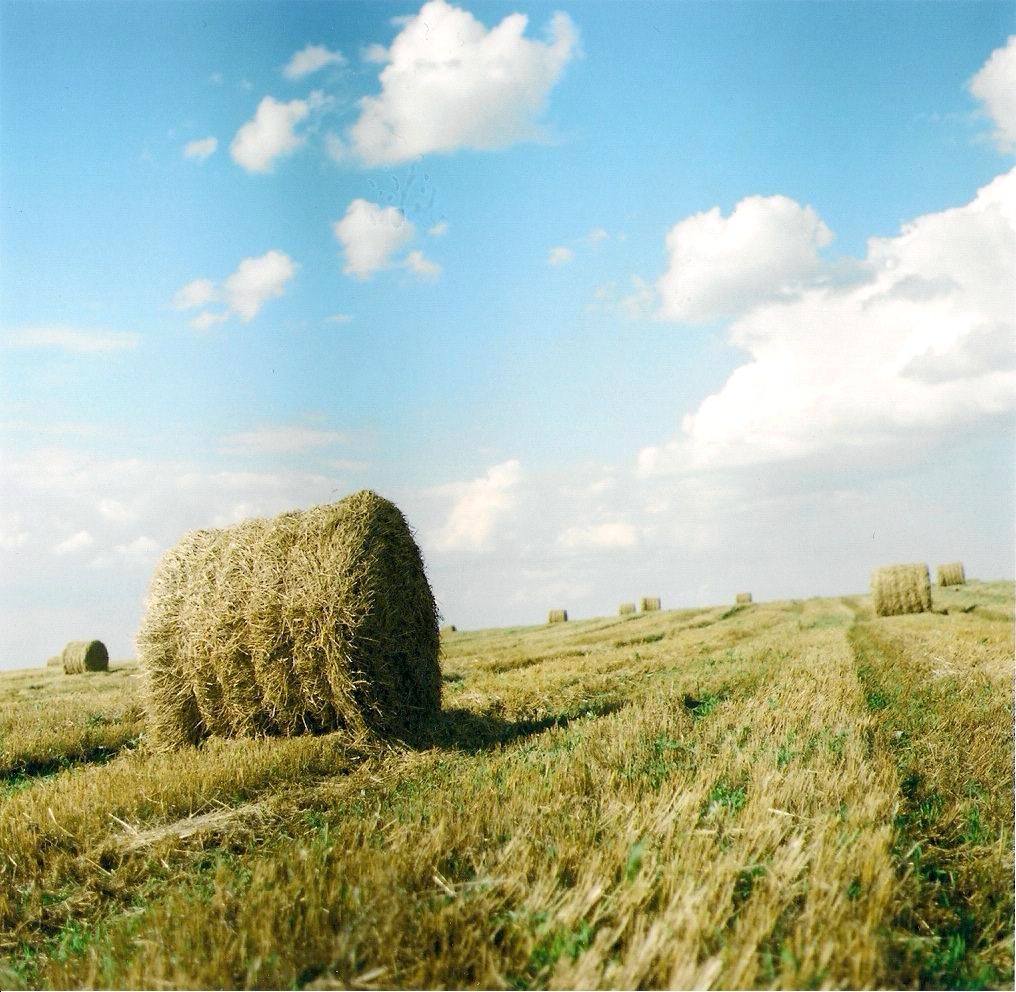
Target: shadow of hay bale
{"points": [[460, 729]]}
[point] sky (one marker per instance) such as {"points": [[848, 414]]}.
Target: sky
{"points": [[612, 300]]}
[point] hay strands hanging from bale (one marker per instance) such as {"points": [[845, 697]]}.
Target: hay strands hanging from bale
{"points": [[311, 621]]}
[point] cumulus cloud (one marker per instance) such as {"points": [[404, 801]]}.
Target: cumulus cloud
{"points": [[372, 236], [921, 341], [995, 86], [141, 551], [721, 266], [420, 265], [438, 230], [282, 440], [311, 59], [613, 534], [80, 541], [478, 507], [243, 293], [559, 255], [270, 134], [449, 83], [62, 337], [200, 149]]}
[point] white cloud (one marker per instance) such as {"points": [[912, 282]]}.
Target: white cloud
{"points": [[721, 266], [244, 292], [995, 86], [370, 235], [374, 54], [420, 265], [282, 440], [141, 551], [450, 83], [311, 59], [614, 534], [339, 318], [256, 281], [197, 293], [116, 512], [597, 236], [12, 534], [479, 506], [559, 255], [922, 342], [439, 230], [74, 340], [76, 542], [269, 135], [200, 149]]}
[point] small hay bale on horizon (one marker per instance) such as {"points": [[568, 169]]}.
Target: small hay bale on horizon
{"points": [[557, 616], [449, 628], [55, 662], [311, 621], [952, 574], [84, 656], [649, 603], [742, 598], [900, 589], [625, 609]]}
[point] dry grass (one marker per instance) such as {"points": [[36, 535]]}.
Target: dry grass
{"points": [[951, 574], [557, 616], [899, 589], [792, 796], [649, 603], [84, 656], [312, 621]]}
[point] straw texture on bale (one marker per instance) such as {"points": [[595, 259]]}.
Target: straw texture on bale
{"points": [[743, 597], [625, 608], [55, 662], [648, 603], [557, 616], [898, 589], [85, 656], [311, 621], [952, 574]]}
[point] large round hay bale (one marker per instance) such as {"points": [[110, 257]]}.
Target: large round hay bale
{"points": [[557, 616], [898, 589], [625, 609], [311, 621], [649, 603], [85, 656], [952, 574], [742, 598]]}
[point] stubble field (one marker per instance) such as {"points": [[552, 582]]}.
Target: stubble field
{"points": [[777, 795]]}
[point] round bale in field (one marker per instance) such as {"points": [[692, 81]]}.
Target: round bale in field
{"points": [[315, 620], [625, 609], [649, 603], [55, 662], [898, 589], [952, 574], [85, 656], [557, 616], [742, 598]]}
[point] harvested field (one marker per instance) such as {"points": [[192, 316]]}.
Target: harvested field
{"points": [[796, 795]]}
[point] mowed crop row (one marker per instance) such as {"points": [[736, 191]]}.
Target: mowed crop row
{"points": [[776, 795]]}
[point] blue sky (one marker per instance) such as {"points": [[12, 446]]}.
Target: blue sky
{"points": [[612, 299]]}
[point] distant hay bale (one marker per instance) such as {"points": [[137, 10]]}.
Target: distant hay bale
{"points": [[625, 608], [557, 616], [311, 621], [898, 589], [952, 574], [449, 628], [743, 597], [648, 603], [84, 656], [55, 662]]}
